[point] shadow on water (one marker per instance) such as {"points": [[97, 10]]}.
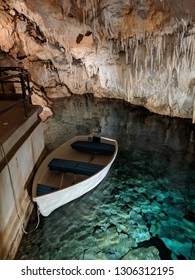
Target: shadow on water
{"points": [[144, 209]]}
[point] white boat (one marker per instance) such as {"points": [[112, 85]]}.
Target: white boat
{"points": [[73, 169]]}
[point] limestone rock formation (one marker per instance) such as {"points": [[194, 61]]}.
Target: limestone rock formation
{"points": [[140, 51]]}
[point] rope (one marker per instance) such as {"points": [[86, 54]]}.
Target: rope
{"points": [[38, 222], [14, 196]]}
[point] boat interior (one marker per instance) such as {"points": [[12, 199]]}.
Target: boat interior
{"points": [[72, 163]]}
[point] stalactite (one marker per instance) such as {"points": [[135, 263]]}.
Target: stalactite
{"points": [[151, 56], [155, 48]]}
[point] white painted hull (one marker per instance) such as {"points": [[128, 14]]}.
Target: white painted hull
{"points": [[49, 202]]}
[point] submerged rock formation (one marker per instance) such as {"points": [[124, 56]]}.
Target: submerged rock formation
{"points": [[140, 51]]}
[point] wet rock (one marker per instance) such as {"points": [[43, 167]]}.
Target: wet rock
{"points": [[140, 234], [179, 247], [150, 253], [164, 252], [121, 228], [106, 239], [112, 234], [136, 217], [104, 256]]}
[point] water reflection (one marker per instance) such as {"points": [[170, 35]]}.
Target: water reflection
{"points": [[144, 209]]}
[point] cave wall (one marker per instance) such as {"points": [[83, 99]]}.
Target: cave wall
{"points": [[140, 51]]}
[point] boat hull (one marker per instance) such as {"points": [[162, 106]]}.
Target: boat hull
{"points": [[49, 202]]}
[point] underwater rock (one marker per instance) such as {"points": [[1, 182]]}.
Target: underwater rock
{"points": [[105, 239], [104, 256], [156, 207], [150, 253], [123, 246], [121, 228], [164, 252], [189, 228], [112, 234], [136, 217], [141, 233], [179, 247]]}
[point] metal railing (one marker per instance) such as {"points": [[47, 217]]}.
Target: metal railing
{"points": [[18, 80]]}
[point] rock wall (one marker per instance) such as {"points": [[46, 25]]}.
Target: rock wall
{"points": [[140, 51]]}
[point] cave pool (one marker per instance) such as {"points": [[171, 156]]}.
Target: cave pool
{"points": [[144, 209]]}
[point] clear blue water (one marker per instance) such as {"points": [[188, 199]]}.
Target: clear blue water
{"points": [[144, 209]]}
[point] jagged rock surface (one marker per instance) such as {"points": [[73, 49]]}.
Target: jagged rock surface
{"points": [[139, 51]]}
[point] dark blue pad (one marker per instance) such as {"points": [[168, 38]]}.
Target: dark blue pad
{"points": [[76, 167], [94, 147], [45, 189]]}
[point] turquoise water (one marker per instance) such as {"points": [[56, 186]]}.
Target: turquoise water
{"points": [[144, 209]]}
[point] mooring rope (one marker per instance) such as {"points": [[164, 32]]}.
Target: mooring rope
{"points": [[14, 196]]}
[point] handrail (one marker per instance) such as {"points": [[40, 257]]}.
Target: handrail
{"points": [[21, 78]]}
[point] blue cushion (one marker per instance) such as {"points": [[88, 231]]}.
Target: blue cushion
{"points": [[94, 147], [45, 189], [76, 167]]}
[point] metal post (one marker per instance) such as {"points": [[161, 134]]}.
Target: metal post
{"points": [[24, 97]]}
